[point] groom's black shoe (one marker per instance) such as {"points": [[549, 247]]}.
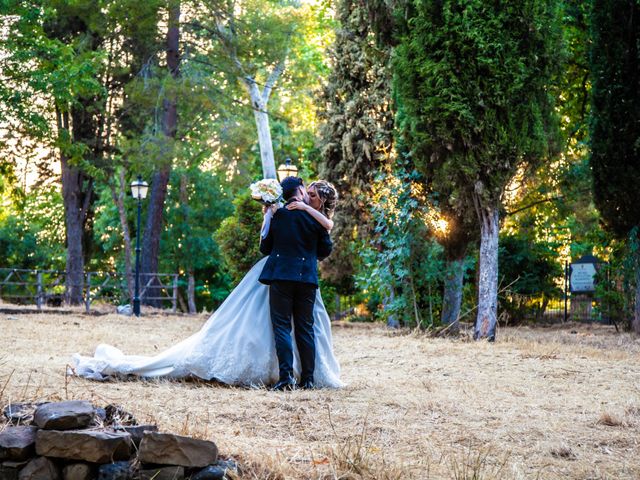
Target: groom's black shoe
{"points": [[285, 385], [307, 384]]}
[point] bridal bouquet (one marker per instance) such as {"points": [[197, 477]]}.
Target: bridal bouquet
{"points": [[267, 191]]}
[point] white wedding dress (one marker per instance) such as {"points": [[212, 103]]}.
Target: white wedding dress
{"points": [[235, 346]]}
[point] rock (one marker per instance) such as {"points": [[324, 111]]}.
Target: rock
{"points": [[137, 432], [40, 468], [88, 445], [64, 415], [115, 471], [162, 473], [20, 413], [77, 471], [125, 310], [212, 472], [168, 449], [9, 470], [7, 473], [217, 471], [228, 464], [17, 443]]}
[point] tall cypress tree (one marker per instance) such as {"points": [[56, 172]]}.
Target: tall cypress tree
{"points": [[357, 130], [474, 80], [615, 120]]}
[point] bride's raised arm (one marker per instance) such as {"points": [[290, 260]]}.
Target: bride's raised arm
{"points": [[267, 212], [317, 216]]}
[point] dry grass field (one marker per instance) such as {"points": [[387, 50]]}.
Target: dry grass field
{"points": [[547, 403]]}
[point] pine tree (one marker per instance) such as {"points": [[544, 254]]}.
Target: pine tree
{"points": [[615, 121]]}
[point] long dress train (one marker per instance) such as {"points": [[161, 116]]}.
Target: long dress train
{"points": [[235, 346]]}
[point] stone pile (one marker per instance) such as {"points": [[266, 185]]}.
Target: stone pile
{"points": [[74, 440]]}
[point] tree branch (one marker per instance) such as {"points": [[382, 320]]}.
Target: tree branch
{"points": [[538, 202], [273, 78], [548, 199]]}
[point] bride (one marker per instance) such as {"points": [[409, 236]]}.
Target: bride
{"points": [[236, 345]]}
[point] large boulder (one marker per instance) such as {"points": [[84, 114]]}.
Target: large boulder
{"points": [[40, 468], [88, 445], [64, 415], [168, 449], [17, 443]]}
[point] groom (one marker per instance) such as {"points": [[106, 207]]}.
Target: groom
{"points": [[295, 243]]}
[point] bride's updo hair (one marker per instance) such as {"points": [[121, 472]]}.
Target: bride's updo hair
{"points": [[328, 196]]}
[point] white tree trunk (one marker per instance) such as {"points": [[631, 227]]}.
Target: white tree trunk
{"points": [[264, 135], [452, 296], [259, 98], [488, 275]]}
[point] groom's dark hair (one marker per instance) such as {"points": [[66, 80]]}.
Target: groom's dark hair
{"points": [[290, 186]]}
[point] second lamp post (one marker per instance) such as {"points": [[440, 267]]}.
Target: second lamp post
{"points": [[139, 191]]}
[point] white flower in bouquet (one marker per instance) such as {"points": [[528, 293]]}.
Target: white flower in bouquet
{"points": [[267, 191]]}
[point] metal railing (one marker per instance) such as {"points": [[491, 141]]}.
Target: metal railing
{"points": [[48, 287], [573, 307]]}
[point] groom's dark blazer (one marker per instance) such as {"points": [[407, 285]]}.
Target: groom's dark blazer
{"points": [[295, 243]]}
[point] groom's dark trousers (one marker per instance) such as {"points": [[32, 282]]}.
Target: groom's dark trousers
{"points": [[295, 243], [287, 299]]}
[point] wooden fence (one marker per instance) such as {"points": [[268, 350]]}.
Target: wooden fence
{"points": [[47, 287]]}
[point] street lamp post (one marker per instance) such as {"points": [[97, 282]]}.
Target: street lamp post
{"points": [[139, 191], [286, 169]]}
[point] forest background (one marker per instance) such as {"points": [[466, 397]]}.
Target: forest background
{"points": [[477, 149]]}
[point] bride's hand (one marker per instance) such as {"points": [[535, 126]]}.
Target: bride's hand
{"points": [[297, 206], [266, 208]]}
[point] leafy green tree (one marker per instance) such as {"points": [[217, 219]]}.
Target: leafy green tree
{"points": [[32, 231], [615, 121], [402, 264], [198, 202], [19, 244], [555, 202], [55, 52], [251, 44], [476, 88]]}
